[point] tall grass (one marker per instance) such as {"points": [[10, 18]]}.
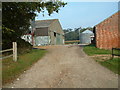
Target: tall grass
{"points": [[11, 70]]}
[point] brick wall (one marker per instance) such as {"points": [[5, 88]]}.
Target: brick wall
{"points": [[107, 35]]}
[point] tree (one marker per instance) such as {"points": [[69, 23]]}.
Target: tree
{"points": [[16, 17], [71, 34], [74, 34]]}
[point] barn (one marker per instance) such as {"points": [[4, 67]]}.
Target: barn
{"points": [[46, 32], [107, 34]]}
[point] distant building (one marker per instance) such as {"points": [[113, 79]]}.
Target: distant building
{"points": [[107, 34], [46, 32], [86, 37]]}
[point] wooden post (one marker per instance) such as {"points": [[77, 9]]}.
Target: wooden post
{"points": [[14, 51], [112, 54]]}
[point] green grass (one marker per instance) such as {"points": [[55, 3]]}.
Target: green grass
{"points": [[112, 64], [11, 70], [92, 50]]}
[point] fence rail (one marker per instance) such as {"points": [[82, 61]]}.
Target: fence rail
{"points": [[114, 54], [14, 49], [6, 50]]}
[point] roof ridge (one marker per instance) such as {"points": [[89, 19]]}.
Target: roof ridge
{"points": [[46, 23], [47, 20]]}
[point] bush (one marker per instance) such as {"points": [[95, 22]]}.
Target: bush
{"points": [[22, 46]]}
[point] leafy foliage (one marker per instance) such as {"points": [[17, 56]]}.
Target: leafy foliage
{"points": [[16, 17]]}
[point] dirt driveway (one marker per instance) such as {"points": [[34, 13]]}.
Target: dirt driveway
{"points": [[66, 67]]}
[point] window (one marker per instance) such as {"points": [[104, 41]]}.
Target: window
{"points": [[54, 34]]}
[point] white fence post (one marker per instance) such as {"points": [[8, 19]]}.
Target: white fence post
{"points": [[14, 51]]}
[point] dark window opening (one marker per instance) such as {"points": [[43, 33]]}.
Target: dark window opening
{"points": [[54, 34], [29, 32]]}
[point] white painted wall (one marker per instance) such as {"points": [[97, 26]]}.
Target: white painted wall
{"points": [[41, 40], [27, 38]]}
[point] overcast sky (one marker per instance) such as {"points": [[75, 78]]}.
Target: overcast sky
{"points": [[82, 14]]}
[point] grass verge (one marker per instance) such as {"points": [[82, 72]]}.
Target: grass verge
{"points": [[92, 50], [11, 70], [112, 64]]}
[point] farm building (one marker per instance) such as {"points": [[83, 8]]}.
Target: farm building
{"points": [[46, 32], [86, 37], [107, 34]]}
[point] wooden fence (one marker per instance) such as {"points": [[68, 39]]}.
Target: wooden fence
{"points": [[115, 54], [14, 49]]}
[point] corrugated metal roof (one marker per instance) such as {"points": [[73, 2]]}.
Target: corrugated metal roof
{"points": [[44, 23]]}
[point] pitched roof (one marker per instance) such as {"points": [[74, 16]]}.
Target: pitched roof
{"points": [[44, 23], [87, 31]]}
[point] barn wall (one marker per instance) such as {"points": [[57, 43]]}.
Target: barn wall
{"points": [[107, 35], [41, 40], [52, 37], [41, 31], [55, 27], [59, 39]]}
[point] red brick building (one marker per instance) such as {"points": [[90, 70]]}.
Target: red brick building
{"points": [[107, 33]]}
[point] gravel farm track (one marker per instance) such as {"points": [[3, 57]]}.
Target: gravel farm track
{"points": [[66, 66]]}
